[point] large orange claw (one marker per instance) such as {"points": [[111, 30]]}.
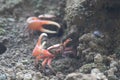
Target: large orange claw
{"points": [[36, 24]]}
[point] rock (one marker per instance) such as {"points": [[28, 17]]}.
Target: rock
{"points": [[90, 57], [11, 19], [9, 5], [19, 76], [80, 76], [74, 76], [100, 76], [98, 58], [20, 66], [98, 34], [86, 37], [65, 64], [11, 74], [87, 68], [113, 64], [3, 77], [25, 61], [112, 78], [37, 76], [111, 73], [55, 78], [28, 76], [2, 31], [93, 45], [60, 75]]}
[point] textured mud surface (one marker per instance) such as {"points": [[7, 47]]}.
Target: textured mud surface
{"points": [[95, 57]]}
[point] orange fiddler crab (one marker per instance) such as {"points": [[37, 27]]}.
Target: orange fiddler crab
{"points": [[37, 23], [39, 52]]}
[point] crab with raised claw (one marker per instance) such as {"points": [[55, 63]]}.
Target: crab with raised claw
{"points": [[40, 53], [37, 23]]}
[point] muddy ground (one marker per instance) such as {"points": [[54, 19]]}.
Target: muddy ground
{"points": [[17, 63]]}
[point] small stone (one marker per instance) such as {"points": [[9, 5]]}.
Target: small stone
{"points": [[60, 75], [19, 76], [96, 73], [111, 71], [20, 66], [73, 76], [98, 58], [3, 77], [27, 76], [87, 68], [11, 19], [86, 37], [92, 45], [25, 61], [113, 64], [112, 78], [11, 74], [37, 76]]}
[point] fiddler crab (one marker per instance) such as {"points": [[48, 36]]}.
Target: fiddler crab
{"points": [[37, 24], [39, 52]]}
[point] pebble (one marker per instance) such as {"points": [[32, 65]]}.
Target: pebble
{"points": [[27, 76], [98, 58], [3, 77], [20, 66], [99, 75], [37, 76], [19, 76], [11, 19]]}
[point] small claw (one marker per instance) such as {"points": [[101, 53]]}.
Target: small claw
{"points": [[39, 45], [46, 16], [43, 44], [40, 39]]}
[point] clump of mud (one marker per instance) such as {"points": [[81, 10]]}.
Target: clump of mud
{"points": [[96, 56]]}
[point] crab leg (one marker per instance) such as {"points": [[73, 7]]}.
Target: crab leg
{"points": [[44, 63], [49, 65]]}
